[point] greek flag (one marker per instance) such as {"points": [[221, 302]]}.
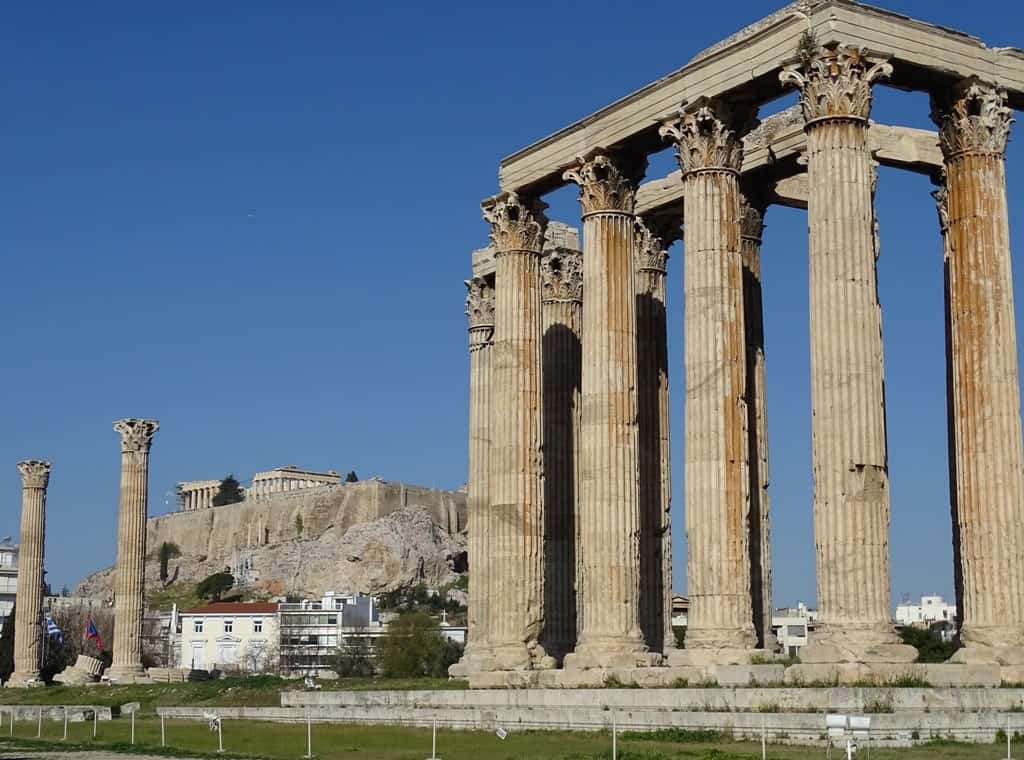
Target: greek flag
{"points": [[53, 631]]}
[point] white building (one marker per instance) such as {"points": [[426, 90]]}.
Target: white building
{"points": [[8, 578], [931, 610], [792, 626], [230, 636], [311, 630]]}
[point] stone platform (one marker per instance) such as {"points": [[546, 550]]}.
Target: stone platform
{"points": [[900, 716]]}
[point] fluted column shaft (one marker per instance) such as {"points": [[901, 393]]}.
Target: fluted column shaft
{"points": [[562, 279], [28, 615], [984, 385], [653, 436], [751, 228], [517, 509], [130, 572], [609, 510], [716, 445], [480, 310]]}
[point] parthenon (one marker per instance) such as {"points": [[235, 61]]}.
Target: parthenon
{"points": [[569, 482]]}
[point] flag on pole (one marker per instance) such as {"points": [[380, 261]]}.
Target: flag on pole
{"points": [[92, 633], [53, 631]]}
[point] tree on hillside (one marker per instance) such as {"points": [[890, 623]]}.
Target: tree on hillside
{"points": [[230, 492], [351, 477], [213, 586], [168, 551], [7, 647]]}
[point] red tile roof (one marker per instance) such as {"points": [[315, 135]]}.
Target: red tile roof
{"points": [[237, 608]]}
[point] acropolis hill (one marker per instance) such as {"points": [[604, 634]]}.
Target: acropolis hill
{"points": [[372, 535]]}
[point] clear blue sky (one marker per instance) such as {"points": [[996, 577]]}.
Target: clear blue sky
{"points": [[252, 222]]}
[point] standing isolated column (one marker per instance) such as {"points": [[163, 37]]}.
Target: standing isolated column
{"points": [[129, 580], [751, 229], [652, 242], [480, 311], [562, 305], [28, 615], [851, 476], [710, 152], [609, 507], [517, 508], [984, 394]]}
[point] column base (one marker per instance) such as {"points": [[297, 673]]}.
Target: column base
{"points": [[986, 644], [867, 644], [126, 674], [519, 656], [708, 659], [625, 652], [744, 638], [474, 660], [24, 681]]}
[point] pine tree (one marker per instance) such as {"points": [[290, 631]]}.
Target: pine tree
{"points": [[230, 492], [351, 477]]}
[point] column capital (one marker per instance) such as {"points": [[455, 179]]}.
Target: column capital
{"points": [[136, 434], [561, 273], [751, 220], [607, 183], [652, 242], [479, 303], [35, 473], [835, 82], [709, 135], [516, 224], [972, 118]]}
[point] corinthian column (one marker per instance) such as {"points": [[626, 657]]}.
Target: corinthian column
{"points": [[974, 126], [562, 305], [129, 580], [652, 242], [517, 509], [751, 229], [710, 152], [480, 310], [851, 479], [609, 508], [28, 614]]}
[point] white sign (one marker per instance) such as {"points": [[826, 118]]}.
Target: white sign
{"points": [[501, 732]]}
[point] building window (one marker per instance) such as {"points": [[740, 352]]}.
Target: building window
{"points": [[257, 626], [796, 630], [197, 626], [229, 626]]}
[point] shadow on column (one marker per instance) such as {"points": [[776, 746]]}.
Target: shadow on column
{"points": [[754, 327], [652, 370], [562, 357], [954, 502]]}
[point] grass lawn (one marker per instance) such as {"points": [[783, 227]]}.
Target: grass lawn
{"points": [[260, 691], [271, 740]]}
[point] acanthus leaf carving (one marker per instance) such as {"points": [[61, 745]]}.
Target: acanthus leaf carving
{"points": [[751, 220], [35, 473], [136, 434], [709, 135], [516, 224], [561, 272], [605, 184], [836, 82], [652, 243], [479, 303], [974, 118]]}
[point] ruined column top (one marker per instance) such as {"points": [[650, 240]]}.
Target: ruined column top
{"points": [[35, 473], [745, 67], [136, 433], [557, 236]]}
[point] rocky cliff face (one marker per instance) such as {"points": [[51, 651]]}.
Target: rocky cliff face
{"points": [[367, 537]]}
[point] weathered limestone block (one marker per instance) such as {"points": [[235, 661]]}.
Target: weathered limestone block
{"points": [[28, 630], [947, 675], [749, 675], [85, 670]]}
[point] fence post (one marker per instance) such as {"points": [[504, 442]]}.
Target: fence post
{"points": [[764, 741], [163, 734], [309, 735], [12, 721], [133, 727], [65, 738], [39, 727], [433, 742], [220, 735], [615, 738], [1009, 755], [95, 720]]}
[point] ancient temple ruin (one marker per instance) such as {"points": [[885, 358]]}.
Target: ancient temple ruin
{"points": [[568, 444]]}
